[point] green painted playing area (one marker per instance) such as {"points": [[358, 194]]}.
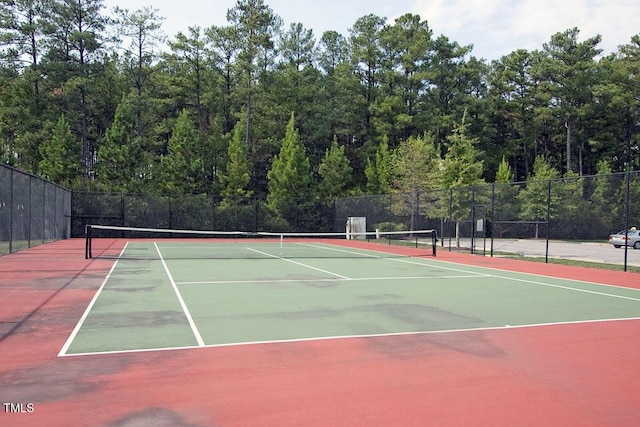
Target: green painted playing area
{"points": [[168, 294]]}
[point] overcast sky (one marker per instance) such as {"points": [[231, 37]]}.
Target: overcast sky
{"points": [[494, 27]]}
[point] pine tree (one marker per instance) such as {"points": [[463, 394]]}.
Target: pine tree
{"points": [[335, 172], [534, 198], [462, 165], [505, 197], [61, 161], [504, 174], [378, 172], [413, 162], [119, 155], [237, 177], [182, 167], [290, 174], [461, 168]]}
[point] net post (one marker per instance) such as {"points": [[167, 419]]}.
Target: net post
{"points": [[281, 244], [434, 241], [87, 244]]}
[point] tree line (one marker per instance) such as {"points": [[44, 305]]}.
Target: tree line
{"points": [[107, 102]]}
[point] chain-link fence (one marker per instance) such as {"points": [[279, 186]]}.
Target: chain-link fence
{"points": [[198, 212], [482, 218], [488, 218], [32, 211]]}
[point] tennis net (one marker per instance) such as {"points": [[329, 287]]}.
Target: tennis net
{"points": [[153, 243]]}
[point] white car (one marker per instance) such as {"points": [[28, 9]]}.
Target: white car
{"points": [[630, 238]]}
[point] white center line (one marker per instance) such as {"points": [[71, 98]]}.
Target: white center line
{"points": [[301, 264], [194, 328]]}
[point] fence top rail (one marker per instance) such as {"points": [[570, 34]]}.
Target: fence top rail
{"points": [[12, 169]]}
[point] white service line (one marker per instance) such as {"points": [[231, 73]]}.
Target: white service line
{"points": [[338, 279], [194, 328]]}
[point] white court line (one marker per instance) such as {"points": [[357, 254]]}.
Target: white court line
{"points": [[427, 264], [422, 264], [194, 328], [84, 316], [355, 279], [434, 263], [301, 264], [570, 288], [381, 335], [329, 247], [439, 261], [534, 282]]}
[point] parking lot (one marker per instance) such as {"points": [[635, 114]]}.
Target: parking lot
{"points": [[600, 252]]}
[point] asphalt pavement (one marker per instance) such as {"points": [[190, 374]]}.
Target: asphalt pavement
{"points": [[600, 252]]}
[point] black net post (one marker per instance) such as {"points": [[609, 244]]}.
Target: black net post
{"points": [[87, 243], [434, 241]]}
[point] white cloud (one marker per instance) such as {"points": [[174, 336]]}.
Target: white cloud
{"points": [[494, 27], [498, 27]]}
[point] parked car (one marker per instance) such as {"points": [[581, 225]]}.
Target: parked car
{"points": [[631, 238]]}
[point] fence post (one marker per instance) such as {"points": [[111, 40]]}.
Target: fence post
{"points": [[546, 251], [29, 215], [122, 211], [451, 217], [44, 210], [11, 190], [169, 212], [627, 199], [473, 220], [493, 211], [256, 214]]}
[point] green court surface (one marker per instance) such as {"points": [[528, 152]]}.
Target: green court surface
{"points": [[166, 295]]}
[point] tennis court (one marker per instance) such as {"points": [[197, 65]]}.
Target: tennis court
{"points": [[164, 294], [316, 331]]}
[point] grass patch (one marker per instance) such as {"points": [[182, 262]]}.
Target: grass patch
{"points": [[573, 262]]}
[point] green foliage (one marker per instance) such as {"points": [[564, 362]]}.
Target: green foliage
{"points": [[290, 173], [574, 206], [460, 169], [414, 163], [390, 226], [255, 25], [378, 172], [505, 195], [604, 198], [236, 214], [374, 89], [366, 53], [236, 179], [335, 172], [462, 165], [504, 174], [407, 48], [534, 199], [119, 155], [571, 70], [61, 155], [182, 168]]}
